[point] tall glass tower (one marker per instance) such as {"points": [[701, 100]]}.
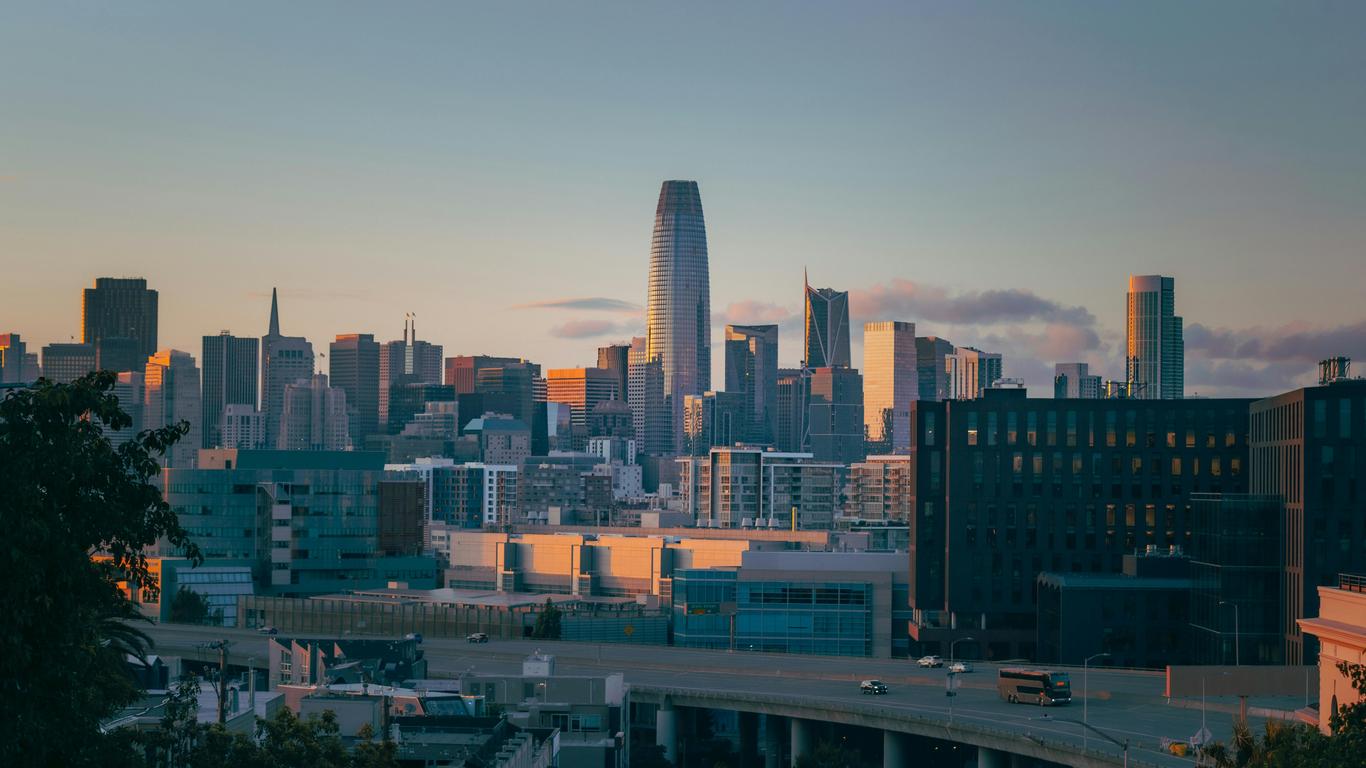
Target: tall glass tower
{"points": [[827, 327], [1156, 356], [678, 305]]}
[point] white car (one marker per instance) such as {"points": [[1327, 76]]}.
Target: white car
{"points": [[960, 667], [931, 661]]}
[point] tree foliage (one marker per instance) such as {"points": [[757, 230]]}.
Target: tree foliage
{"points": [[547, 623], [66, 493], [189, 607], [829, 755]]}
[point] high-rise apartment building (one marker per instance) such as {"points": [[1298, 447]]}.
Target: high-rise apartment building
{"points": [[120, 307], [314, 417], [793, 386], [881, 489], [645, 396], [890, 382], [713, 419], [353, 365], [678, 300], [284, 360], [827, 327], [752, 374], [1156, 356], [1075, 381], [932, 367], [64, 363], [242, 427], [406, 361], [734, 487], [229, 372], [172, 395], [835, 415], [971, 372]]}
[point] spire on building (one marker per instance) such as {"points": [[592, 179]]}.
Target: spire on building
{"points": [[274, 314]]}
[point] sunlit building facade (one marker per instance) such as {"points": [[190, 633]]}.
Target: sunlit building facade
{"points": [[122, 308], [890, 382], [827, 328], [172, 395], [752, 373], [1156, 348], [229, 377]]}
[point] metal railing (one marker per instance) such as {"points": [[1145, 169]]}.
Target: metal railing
{"points": [[1352, 582]]}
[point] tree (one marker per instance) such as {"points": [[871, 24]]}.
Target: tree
{"points": [[828, 755], [65, 494], [649, 756], [547, 623], [189, 607]]}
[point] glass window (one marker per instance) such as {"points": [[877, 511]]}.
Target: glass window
{"points": [[972, 428], [1012, 427]]}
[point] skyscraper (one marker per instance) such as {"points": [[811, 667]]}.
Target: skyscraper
{"points": [[64, 363], [645, 395], [827, 327], [678, 301], [229, 378], [353, 363], [617, 359], [118, 354], [314, 417], [12, 353], [582, 389], [752, 373], [971, 372], [890, 382], [284, 360], [1074, 380], [1156, 353], [835, 415], [171, 395], [932, 355], [120, 307], [406, 361], [793, 386]]}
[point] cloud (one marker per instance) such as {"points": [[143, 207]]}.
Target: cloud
{"points": [[911, 300], [1298, 343], [591, 303], [751, 312], [587, 328]]}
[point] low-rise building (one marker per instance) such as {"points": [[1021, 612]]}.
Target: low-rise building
{"points": [[1340, 629]]}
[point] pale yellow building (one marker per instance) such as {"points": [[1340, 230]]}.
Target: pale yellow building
{"points": [[1341, 631]]}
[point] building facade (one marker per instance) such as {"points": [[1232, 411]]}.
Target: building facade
{"points": [[971, 372], [64, 363], [284, 360], [880, 489], [403, 362], [713, 419], [120, 307], [834, 422], [1237, 566], [645, 395], [1155, 345], [353, 367], [752, 373], [171, 394], [582, 389], [1075, 381], [242, 427], [678, 299], [229, 372], [890, 382], [314, 417], [827, 328], [932, 365], [753, 488]]}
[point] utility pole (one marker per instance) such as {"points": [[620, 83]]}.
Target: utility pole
{"points": [[222, 647]]}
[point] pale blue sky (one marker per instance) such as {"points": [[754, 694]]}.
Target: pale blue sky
{"points": [[459, 160]]}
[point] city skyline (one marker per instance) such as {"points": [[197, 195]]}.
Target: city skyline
{"points": [[1190, 164]]}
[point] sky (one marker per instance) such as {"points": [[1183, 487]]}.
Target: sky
{"points": [[992, 172]]}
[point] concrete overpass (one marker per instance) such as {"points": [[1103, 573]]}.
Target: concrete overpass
{"points": [[797, 694]]}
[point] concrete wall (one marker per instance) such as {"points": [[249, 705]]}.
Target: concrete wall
{"points": [[1248, 680]]}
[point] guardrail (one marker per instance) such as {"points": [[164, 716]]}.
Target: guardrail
{"points": [[1352, 582], [954, 729]]}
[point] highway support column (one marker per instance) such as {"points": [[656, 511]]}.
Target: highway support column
{"points": [[803, 738], [749, 739], [895, 752], [775, 728], [666, 729]]}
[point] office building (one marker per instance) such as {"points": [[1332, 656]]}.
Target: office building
{"points": [[645, 396], [1007, 487], [1236, 614], [307, 522], [793, 384], [971, 372], [353, 367], [827, 327], [172, 395], [64, 363], [1137, 618], [890, 382], [612, 418], [582, 389], [1340, 628], [752, 373], [119, 353], [835, 415], [13, 353], [1156, 349], [617, 359], [242, 427], [229, 372], [1309, 449], [130, 389], [736, 487], [474, 495], [314, 417], [502, 440], [713, 419], [284, 360], [462, 371], [678, 299], [932, 367], [406, 361], [512, 388], [555, 489], [120, 307], [1075, 381], [880, 489], [408, 400]]}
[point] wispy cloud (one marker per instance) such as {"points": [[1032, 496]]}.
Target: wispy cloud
{"points": [[750, 312], [591, 303], [587, 328], [1297, 343], [906, 298]]}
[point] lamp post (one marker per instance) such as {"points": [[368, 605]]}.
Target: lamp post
{"points": [[1086, 694], [1237, 651], [1123, 745], [954, 645]]}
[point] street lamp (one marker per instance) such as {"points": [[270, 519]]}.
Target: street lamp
{"points": [[1237, 654], [1123, 745], [1086, 693], [954, 644]]}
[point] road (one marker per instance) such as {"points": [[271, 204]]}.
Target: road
{"points": [[1127, 705]]}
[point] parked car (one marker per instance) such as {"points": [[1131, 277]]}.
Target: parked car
{"points": [[477, 637], [931, 661], [414, 636], [267, 630], [874, 687], [960, 667]]}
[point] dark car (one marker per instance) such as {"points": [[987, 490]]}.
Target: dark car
{"points": [[873, 687]]}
